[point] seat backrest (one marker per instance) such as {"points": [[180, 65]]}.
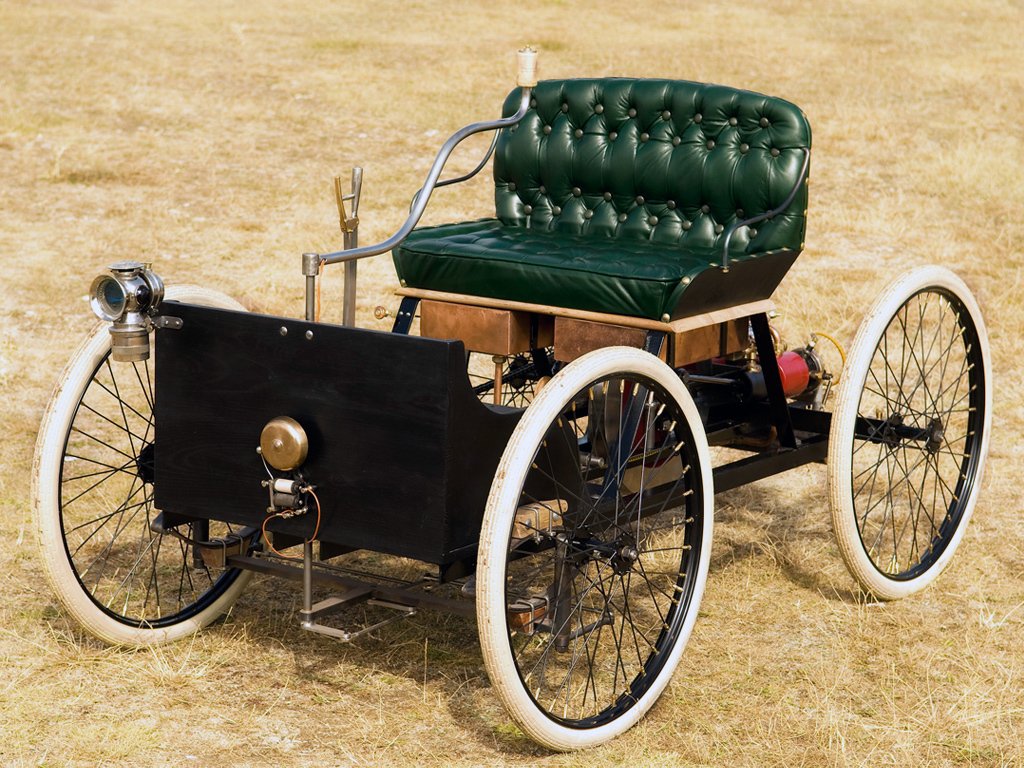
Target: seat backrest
{"points": [[665, 160]]}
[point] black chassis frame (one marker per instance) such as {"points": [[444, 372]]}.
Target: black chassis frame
{"points": [[402, 453]]}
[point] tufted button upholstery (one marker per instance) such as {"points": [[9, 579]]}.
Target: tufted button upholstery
{"points": [[636, 277], [634, 168]]}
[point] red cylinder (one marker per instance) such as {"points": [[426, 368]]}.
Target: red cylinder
{"points": [[794, 372]]}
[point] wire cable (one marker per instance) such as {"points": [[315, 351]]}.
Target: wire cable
{"points": [[316, 529], [839, 348], [266, 537]]}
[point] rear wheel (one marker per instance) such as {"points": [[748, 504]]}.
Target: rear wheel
{"points": [[594, 548], [910, 433], [522, 376], [123, 577]]}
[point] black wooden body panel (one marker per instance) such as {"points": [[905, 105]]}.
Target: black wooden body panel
{"points": [[402, 453], [748, 279]]}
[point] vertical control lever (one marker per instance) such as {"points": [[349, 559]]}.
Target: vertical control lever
{"points": [[350, 232]]}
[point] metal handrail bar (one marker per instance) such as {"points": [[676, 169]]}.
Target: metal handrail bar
{"points": [[421, 199], [463, 177], [767, 214]]}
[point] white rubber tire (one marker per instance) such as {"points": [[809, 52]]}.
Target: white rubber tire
{"points": [[841, 437], [46, 478], [501, 505]]}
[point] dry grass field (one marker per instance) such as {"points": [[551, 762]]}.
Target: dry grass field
{"points": [[203, 137]]}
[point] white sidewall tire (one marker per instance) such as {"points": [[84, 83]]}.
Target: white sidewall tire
{"points": [[841, 437], [501, 504], [46, 474]]}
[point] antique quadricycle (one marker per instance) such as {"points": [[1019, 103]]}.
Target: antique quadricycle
{"points": [[545, 439]]}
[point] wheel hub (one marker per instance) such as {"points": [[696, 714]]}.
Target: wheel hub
{"points": [[519, 370], [936, 435], [144, 465], [890, 431], [625, 557]]}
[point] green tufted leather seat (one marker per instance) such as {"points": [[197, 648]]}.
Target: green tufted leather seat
{"points": [[615, 195]]}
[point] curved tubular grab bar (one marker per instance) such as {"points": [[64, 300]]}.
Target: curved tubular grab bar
{"points": [[463, 177], [423, 196], [766, 214]]}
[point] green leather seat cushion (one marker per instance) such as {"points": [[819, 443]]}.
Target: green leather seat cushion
{"points": [[615, 275]]}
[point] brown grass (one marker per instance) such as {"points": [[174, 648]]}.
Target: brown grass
{"points": [[203, 137]]}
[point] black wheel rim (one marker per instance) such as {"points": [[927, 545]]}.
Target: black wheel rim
{"points": [[598, 589], [918, 434], [136, 575]]}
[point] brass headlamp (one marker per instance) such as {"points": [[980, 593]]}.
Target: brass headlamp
{"points": [[126, 296]]}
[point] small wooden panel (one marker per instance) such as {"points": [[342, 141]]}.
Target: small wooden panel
{"points": [[575, 338], [485, 329], [710, 341], [696, 345], [736, 336]]}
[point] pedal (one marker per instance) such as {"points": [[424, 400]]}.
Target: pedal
{"points": [[536, 518], [525, 614], [215, 553]]}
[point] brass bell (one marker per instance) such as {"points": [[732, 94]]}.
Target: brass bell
{"points": [[283, 443]]}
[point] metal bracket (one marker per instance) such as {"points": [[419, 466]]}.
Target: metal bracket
{"points": [[167, 322], [353, 596], [406, 314]]}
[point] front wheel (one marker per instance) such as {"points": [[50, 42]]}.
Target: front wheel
{"points": [[126, 580], [594, 548], [910, 433]]}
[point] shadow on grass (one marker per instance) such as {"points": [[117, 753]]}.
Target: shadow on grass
{"points": [[436, 656], [791, 528], [436, 653]]}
